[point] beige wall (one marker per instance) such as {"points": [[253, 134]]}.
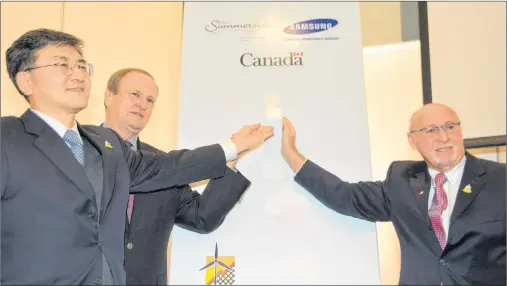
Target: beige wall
{"points": [[380, 23], [392, 94], [468, 64], [17, 18]]}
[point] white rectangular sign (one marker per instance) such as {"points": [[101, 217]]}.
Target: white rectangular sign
{"points": [[252, 62]]}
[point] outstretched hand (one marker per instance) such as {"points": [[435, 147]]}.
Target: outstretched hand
{"points": [[251, 136], [289, 151]]}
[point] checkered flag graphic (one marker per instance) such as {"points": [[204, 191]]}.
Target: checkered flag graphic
{"points": [[226, 278]]}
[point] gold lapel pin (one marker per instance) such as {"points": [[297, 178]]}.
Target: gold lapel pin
{"points": [[108, 145], [467, 189]]}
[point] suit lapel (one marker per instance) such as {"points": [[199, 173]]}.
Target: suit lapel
{"points": [[57, 151], [109, 166], [473, 175], [420, 183]]}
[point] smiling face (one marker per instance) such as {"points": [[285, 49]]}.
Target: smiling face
{"points": [[129, 109], [52, 86], [442, 150]]}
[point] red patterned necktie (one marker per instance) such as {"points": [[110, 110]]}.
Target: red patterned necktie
{"points": [[130, 205], [438, 205]]}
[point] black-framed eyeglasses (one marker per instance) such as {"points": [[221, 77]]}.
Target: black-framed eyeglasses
{"points": [[67, 69], [434, 129]]}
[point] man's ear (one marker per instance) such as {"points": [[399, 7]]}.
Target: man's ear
{"points": [[108, 98], [24, 82]]}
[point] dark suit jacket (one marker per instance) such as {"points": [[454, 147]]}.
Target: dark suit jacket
{"points": [[154, 215], [49, 233], [475, 251]]}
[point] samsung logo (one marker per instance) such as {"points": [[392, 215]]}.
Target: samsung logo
{"points": [[310, 26]]}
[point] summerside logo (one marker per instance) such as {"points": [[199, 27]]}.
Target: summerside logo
{"points": [[290, 59], [310, 26], [216, 26]]}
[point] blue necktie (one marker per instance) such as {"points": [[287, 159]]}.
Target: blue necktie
{"points": [[76, 146]]}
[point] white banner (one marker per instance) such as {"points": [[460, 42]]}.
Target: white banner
{"points": [[253, 62]]}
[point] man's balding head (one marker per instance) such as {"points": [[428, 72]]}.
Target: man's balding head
{"points": [[431, 112], [442, 150]]}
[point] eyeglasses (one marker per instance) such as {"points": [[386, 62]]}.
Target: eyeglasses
{"points": [[433, 130], [67, 69]]}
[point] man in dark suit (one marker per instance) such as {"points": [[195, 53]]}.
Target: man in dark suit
{"points": [[448, 210], [151, 217], [64, 186]]}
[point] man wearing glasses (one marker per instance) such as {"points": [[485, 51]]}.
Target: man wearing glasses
{"points": [[64, 186], [448, 210]]}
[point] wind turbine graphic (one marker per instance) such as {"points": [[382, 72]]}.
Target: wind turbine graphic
{"points": [[214, 263]]}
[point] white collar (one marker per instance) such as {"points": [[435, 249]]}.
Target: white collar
{"points": [[453, 175], [59, 127]]}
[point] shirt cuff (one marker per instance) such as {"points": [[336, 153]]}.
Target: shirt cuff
{"points": [[296, 173], [230, 150]]}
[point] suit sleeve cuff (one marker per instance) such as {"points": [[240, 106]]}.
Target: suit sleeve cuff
{"points": [[296, 173], [230, 150]]}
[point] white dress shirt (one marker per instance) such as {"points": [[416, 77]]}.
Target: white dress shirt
{"points": [[59, 128], [451, 187], [230, 150]]}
